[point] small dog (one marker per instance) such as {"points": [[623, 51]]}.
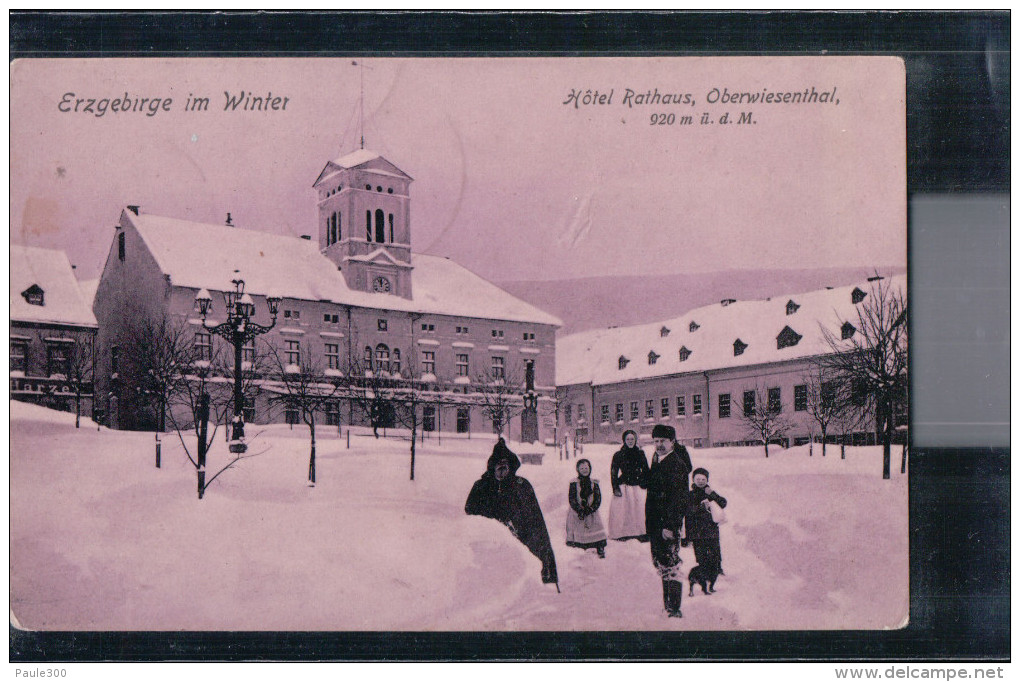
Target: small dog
{"points": [[703, 576]]}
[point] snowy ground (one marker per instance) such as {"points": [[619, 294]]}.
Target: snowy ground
{"points": [[102, 540]]}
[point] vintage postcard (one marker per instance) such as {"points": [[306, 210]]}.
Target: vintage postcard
{"points": [[480, 344]]}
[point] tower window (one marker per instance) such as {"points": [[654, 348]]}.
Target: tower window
{"points": [[368, 226], [380, 228], [391, 227], [368, 187], [389, 190], [378, 189]]}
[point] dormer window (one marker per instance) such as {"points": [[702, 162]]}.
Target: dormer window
{"points": [[685, 353], [34, 295], [848, 330], [652, 357], [791, 307], [787, 338], [622, 362], [664, 332], [694, 326], [856, 296], [739, 347]]}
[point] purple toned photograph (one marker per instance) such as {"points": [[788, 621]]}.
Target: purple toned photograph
{"points": [[475, 344]]}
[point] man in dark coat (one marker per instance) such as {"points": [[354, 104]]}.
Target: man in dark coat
{"points": [[503, 495], [665, 505]]}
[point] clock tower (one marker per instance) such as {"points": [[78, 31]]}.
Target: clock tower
{"points": [[365, 222]]}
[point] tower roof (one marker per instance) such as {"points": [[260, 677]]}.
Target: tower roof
{"points": [[364, 159]]}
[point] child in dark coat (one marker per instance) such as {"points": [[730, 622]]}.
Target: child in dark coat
{"points": [[584, 527], [702, 531]]}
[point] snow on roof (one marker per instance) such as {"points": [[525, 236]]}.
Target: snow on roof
{"points": [[50, 270], [594, 356], [356, 158], [200, 255]]}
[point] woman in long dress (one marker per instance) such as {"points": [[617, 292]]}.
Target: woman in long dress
{"points": [[629, 476], [584, 527]]}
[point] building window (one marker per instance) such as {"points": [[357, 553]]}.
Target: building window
{"points": [[828, 393], [462, 330], [463, 420], [293, 352], [497, 333], [380, 226], [739, 347], [800, 398], [382, 358], [367, 357], [203, 346], [604, 414], [649, 409], [248, 351], [57, 359], [775, 404], [787, 338], [664, 407], [694, 326], [428, 418], [791, 307], [724, 405], [848, 331], [382, 325], [34, 295], [664, 332], [114, 359], [582, 413], [685, 353], [19, 353], [529, 336], [395, 361], [292, 314], [120, 246], [333, 413], [428, 328], [681, 406], [428, 361], [652, 357], [748, 403], [634, 414], [856, 296], [333, 355], [696, 403], [498, 367], [619, 412], [568, 414], [462, 365], [291, 415], [622, 362], [248, 410]]}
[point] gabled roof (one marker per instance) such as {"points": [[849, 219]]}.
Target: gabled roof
{"points": [[362, 158], [592, 356], [201, 255], [51, 271]]}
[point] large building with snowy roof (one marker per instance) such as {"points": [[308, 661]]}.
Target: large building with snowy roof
{"points": [[52, 332], [354, 299], [702, 371]]}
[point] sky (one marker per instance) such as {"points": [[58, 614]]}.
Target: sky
{"points": [[510, 180]]}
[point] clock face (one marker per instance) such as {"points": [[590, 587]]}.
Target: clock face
{"points": [[381, 284]]}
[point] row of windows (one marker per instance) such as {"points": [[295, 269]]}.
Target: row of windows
{"points": [[382, 325], [653, 408], [58, 357], [379, 359]]}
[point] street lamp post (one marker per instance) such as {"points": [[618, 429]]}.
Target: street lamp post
{"points": [[237, 330]]}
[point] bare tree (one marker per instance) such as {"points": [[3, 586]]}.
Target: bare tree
{"points": [[302, 387], [823, 402], [764, 418], [157, 353], [501, 392], [870, 355], [371, 393], [78, 356]]}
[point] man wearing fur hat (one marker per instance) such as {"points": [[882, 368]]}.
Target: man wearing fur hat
{"points": [[665, 505]]}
